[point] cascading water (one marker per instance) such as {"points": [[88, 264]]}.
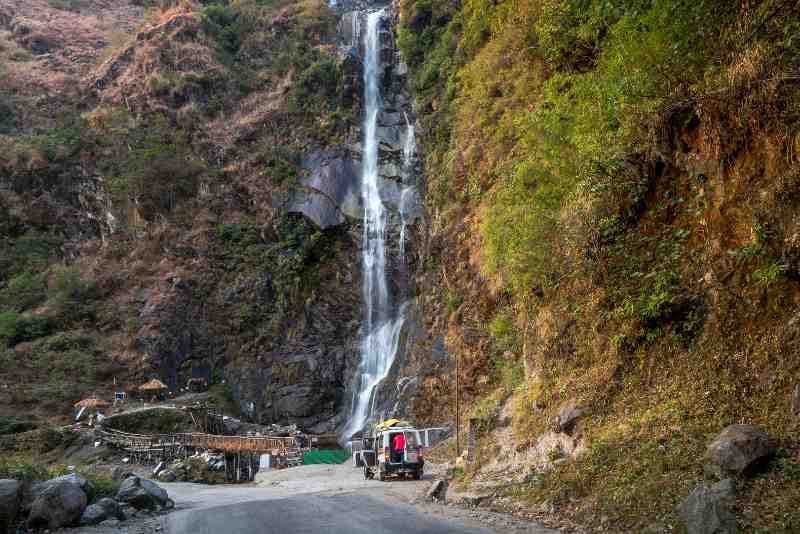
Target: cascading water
{"points": [[382, 323], [409, 148]]}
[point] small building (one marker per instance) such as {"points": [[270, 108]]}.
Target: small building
{"points": [[91, 405], [154, 390]]}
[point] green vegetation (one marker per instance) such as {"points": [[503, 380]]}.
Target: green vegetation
{"points": [[152, 421], [15, 328], [587, 142], [28, 467], [15, 425], [153, 169]]}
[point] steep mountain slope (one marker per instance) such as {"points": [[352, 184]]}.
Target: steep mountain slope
{"points": [[613, 196], [145, 223]]}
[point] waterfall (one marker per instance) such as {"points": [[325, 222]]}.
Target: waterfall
{"points": [[409, 148], [382, 323]]}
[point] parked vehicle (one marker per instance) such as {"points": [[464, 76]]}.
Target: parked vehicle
{"points": [[382, 458]]}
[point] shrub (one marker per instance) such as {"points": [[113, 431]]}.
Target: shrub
{"points": [[22, 467], [23, 291], [317, 87], [503, 331], [222, 22], [16, 328], [15, 425], [72, 296]]}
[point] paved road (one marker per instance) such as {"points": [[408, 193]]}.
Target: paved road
{"points": [[325, 499], [301, 514]]}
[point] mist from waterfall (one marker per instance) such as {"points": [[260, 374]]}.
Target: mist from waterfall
{"points": [[382, 323]]}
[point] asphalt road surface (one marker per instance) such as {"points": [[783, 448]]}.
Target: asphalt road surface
{"points": [[301, 514], [325, 499]]}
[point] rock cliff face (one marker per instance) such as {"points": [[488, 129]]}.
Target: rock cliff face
{"points": [[203, 198]]}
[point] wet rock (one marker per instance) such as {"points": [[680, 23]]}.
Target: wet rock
{"points": [[317, 207], [390, 138], [390, 170], [9, 503], [389, 118], [142, 494], [708, 510], [60, 505], [336, 177], [739, 450], [568, 416], [437, 491]]}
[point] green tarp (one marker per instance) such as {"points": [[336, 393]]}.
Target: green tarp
{"points": [[326, 456]]}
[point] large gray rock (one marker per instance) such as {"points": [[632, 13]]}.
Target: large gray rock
{"points": [[337, 178], [93, 515], [142, 493], [9, 503], [317, 207], [101, 510], [708, 510], [738, 450], [72, 478], [59, 505], [568, 416]]}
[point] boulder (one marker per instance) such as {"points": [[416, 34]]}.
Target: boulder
{"points": [[9, 503], [738, 450], [102, 510], [59, 505], [708, 510], [72, 478], [112, 508], [142, 493], [317, 207], [568, 416], [93, 515], [437, 491]]}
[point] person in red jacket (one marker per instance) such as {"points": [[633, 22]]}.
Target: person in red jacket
{"points": [[398, 445]]}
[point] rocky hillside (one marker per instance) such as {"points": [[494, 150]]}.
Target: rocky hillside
{"points": [[613, 190], [604, 256], [153, 218]]}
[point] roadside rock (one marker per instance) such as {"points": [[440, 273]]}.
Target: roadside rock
{"points": [[142, 493], [9, 503], [568, 416], [738, 450], [437, 491], [72, 478], [93, 514], [59, 505], [707, 510], [102, 510]]}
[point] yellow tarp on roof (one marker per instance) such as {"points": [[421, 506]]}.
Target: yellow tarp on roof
{"points": [[389, 423]]}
